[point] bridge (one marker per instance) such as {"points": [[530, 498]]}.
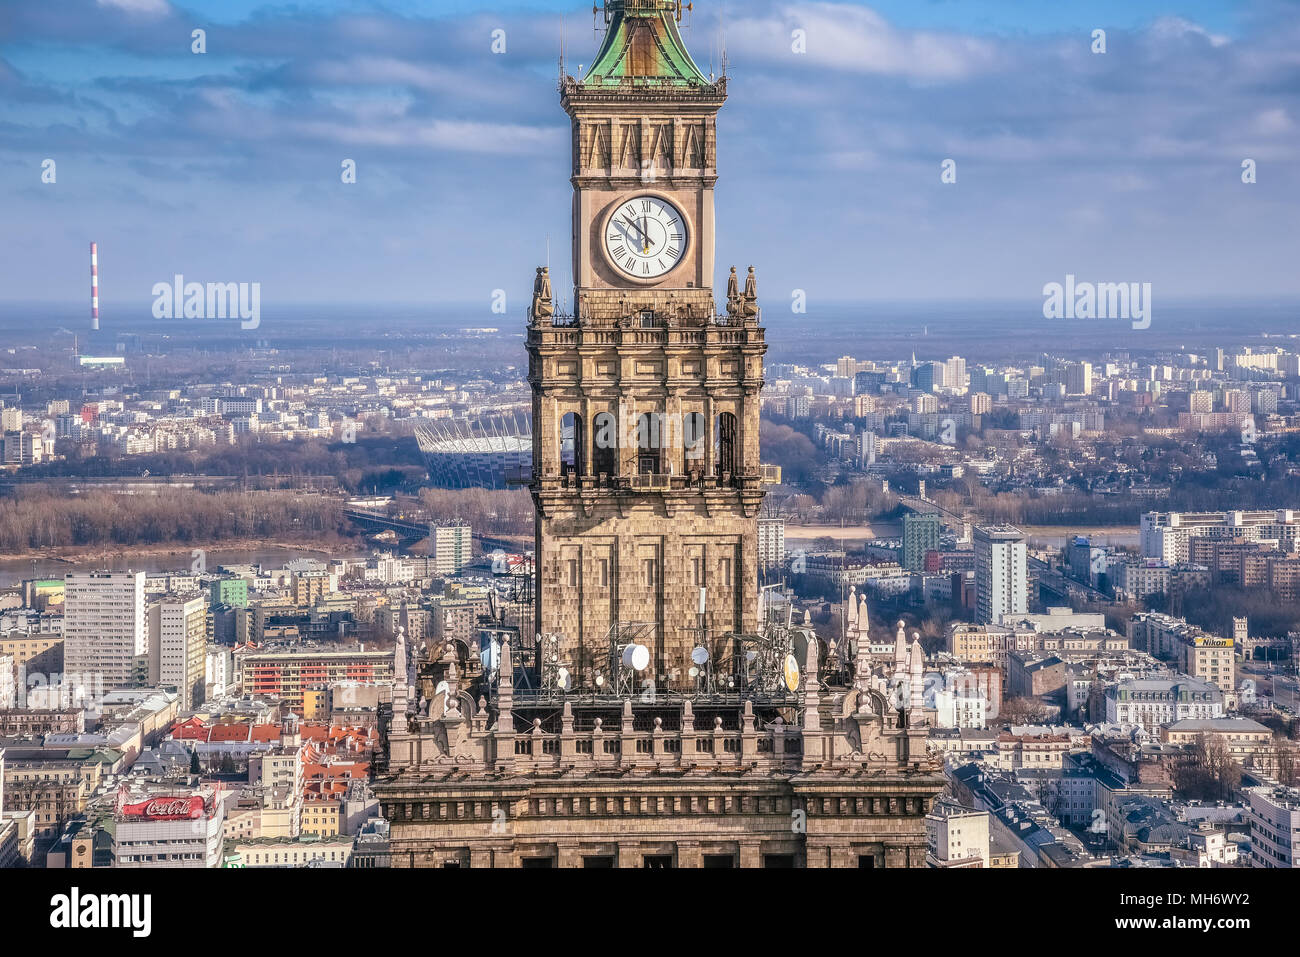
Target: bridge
{"points": [[408, 533]]}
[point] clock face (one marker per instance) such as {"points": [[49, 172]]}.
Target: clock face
{"points": [[645, 237]]}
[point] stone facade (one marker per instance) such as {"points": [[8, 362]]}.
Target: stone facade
{"points": [[646, 471], [647, 484], [815, 779]]}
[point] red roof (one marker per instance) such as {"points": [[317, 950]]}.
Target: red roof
{"points": [[228, 732]]}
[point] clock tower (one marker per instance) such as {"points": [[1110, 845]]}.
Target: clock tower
{"points": [[646, 473]]}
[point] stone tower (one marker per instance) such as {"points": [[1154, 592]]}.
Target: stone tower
{"points": [[646, 474]]}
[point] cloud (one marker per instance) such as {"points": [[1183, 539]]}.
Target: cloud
{"points": [[147, 7], [859, 40], [1065, 159], [1167, 28]]}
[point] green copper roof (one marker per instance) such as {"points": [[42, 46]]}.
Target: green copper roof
{"points": [[642, 45]]}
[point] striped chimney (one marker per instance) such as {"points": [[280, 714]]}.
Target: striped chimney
{"points": [[94, 287]]}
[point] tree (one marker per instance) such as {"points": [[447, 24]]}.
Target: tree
{"points": [[1024, 711], [1207, 771]]}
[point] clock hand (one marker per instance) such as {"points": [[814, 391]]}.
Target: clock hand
{"points": [[645, 234], [632, 223]]}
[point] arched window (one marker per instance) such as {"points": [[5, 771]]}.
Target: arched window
{"points": [[649, 441], [694, 434], [573, 445], [605, 444], [725, 444]]}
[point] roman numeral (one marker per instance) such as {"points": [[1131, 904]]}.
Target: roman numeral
{"points": [[631, 263], [617, 253], [645, 267], [645, 205], [672, 251], [676, 237]]}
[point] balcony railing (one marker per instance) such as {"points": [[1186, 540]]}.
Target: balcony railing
{"points": [[650, 481]]}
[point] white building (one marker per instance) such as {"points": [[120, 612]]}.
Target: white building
{"points": [[957, 836], [959, 708], [1165, 535], [105, 630], [1152, 702], [8, 685], [1274, 826], [169, 830], [451, 547], [771, 541], [1001, 572], [178, 648], [218, 672]]}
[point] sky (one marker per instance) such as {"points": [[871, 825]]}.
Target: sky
{"points": [[225, 166]]}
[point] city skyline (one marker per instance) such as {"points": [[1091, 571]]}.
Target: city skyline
{"points": [[715, 551]]}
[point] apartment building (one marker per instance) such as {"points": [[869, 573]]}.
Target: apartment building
{"points": [[105, 630]]}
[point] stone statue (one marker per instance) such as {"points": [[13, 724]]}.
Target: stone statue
{"points": [[749, 308], [543, 302], [734, 302]]}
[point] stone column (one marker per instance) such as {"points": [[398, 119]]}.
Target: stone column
{"points": [[569, 856]]}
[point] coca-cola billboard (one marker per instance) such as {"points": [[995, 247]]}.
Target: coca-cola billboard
{"points": [[166, 809]]}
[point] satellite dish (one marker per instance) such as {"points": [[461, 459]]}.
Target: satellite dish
{"points": [[791, 673], [600, 681], [563, 681], [694, 672], [442, 688], [700, 655], [627, 656], [640, 657], [800, 647], [751, 656]]}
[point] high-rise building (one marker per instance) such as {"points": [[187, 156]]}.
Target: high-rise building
{"points": [[868, 382], [929, 376], [105, 630], [771, 542], [846, 366], [656, 375], [920, 535], [229, 591], [954, 373], [1078, 378], [647, 485], [178, 632], [1001, 572], [451, 547]]}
